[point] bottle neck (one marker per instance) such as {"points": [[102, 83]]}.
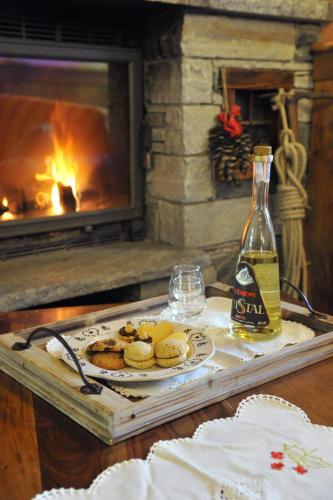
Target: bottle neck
{"points": [[261, 175]]}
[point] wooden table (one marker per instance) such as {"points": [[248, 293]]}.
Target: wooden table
{"points": [[43, 449]]}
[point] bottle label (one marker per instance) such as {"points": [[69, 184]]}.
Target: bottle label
{"points": [[247, 304]]}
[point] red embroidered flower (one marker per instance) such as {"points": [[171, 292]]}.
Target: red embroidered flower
{"points": [[277, 465], [277, 454], [300, 470]]}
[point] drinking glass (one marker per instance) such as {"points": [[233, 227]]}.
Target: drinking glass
{"points": [[186, 291]]}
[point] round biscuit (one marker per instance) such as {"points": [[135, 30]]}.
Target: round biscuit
{"points": [[169, 362], [140, 365], [170, 348], [139, 351]]}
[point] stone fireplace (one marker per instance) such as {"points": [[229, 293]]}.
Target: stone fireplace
{"points": [[186, 205], [189, 215]]}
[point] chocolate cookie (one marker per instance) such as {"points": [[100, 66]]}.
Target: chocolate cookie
{"points": [[108, 360], [128, 332], [107, 345]]}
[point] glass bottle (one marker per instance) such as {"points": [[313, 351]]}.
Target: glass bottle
{"points": [[256, 307]]}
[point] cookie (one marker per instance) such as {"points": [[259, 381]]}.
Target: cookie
{"points": [[170, 362], [139, 355], [144, 337], [108, 345], [108, 360], [127, 332], [178, 336], [170, 352]]}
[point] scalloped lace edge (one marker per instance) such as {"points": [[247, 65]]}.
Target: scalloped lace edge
{"points": [[268, 397], [125, 391]]}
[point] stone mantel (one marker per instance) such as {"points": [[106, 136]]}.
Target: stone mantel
{"points": [[303, 10]]}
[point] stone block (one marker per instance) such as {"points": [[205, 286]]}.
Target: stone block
{"points": [[157, 147], [156, 108], [304, 108], [163, 83], [209, 275], [224, 259], [171, 223], [215, 222], [158, 134], [225, 269], [303, 80], [174, 141], [237, 38], [196, 81], [153, 288], [197, 121], [304, 130], [187, 127], [152, 220], [203, 224], [258, 64], [155, 119], [182, 179]]}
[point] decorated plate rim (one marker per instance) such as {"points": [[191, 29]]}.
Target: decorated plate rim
{"points": [[202, 349]]}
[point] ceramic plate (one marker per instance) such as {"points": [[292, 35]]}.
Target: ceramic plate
{"points": [[201, 349]]}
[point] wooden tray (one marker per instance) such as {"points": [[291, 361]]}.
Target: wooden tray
{"points": [[113, 417]]}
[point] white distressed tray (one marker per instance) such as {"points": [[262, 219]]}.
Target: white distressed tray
{"points": [[113, 417]]}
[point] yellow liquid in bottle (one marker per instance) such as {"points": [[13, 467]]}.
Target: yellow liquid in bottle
{"points": [[266, 271]]}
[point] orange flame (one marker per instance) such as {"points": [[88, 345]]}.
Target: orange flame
{"points": [[61, 166], [7, 215]]}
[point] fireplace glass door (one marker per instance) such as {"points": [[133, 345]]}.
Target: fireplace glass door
{"points": [[64, 137]]}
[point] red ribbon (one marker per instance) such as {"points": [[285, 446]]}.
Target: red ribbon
{"points": [[230, 122]]}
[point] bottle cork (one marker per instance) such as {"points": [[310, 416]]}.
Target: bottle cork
{"points": [[262, 150]]}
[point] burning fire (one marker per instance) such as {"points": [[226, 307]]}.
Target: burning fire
{"points": [[61, 169], [6, 215]]}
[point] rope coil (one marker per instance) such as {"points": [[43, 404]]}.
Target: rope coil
{"points": [[290, 204], [291, 200]]}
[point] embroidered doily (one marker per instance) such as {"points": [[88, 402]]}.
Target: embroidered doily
{"points": [[229, 351], [268, 450]]}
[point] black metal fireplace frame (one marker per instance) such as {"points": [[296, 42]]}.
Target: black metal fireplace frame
{"points": [[84, 52]]}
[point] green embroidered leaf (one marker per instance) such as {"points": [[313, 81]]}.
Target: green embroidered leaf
{"points": [[294, 452], [305, 458], [316, 462]]}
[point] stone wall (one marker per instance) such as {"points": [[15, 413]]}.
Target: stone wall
{"points": [[182, 204]]}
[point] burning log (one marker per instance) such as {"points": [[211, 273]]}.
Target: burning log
{"points": [[67, 198], [3, 209]]}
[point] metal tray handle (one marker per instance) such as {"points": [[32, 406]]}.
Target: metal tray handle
{"points": [[88, 387]]}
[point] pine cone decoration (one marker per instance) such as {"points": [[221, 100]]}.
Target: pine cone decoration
{"points": [[229, 153]]}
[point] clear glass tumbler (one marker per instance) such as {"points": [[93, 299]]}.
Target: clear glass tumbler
{"points": [[186, 291]]}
